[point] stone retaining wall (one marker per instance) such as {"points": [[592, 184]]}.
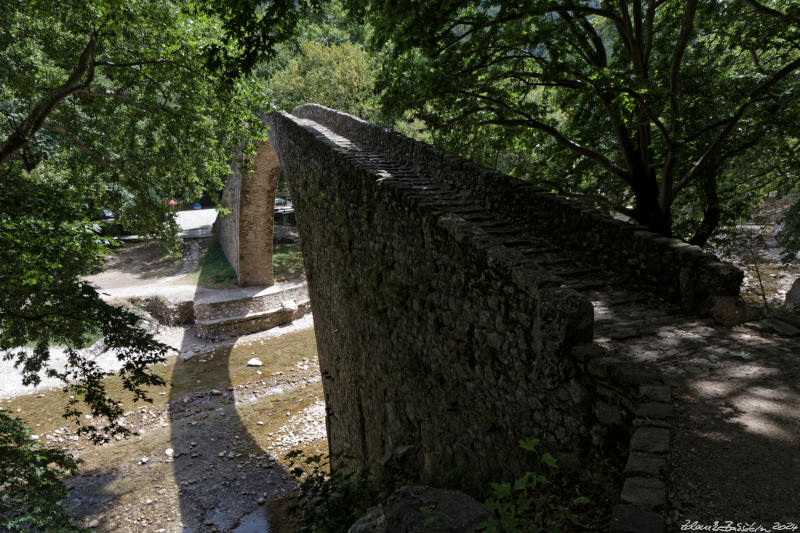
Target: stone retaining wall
{"points": [[669, 268]]}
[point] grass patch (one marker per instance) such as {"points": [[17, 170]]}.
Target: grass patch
{"points": [[287, 262], [214, 271]]}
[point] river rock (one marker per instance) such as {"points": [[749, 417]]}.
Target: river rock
{"points": [[255, 361], [418, 509]]}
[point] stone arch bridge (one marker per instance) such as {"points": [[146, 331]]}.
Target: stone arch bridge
{"points": [[458, 310]]}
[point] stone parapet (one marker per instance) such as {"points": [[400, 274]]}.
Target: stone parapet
{"points": [[666, 267]]}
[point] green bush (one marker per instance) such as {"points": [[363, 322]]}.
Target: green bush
{"points": [[526, 506], [31, 482], [329, 502]]}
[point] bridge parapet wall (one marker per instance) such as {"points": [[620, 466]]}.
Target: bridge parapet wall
{"points": [[440, 345], [666, 267]]}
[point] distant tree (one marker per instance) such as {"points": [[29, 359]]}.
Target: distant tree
{"points": [[666, 110], [340, 76]]}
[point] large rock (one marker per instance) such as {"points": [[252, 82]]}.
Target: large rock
{"points": [[414, 509], [792, 302]]}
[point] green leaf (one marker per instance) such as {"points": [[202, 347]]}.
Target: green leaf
{"points": [[549, 460], [529, 444]]}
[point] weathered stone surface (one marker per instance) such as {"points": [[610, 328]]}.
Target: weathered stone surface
{"points": [[650, 439], [246, 234], [659, 410], [435, 332], [792, 301], [236, 325], [168, 311], [418, 509], [643, 491], [609, 415], [780, 327], [728, 310], [655, 393], [633, 519], [431, 308], [648, 465]]}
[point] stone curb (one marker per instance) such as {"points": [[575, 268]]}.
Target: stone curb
{"points": [[628, 394]]}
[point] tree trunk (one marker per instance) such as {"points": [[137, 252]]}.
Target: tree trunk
{"points": [[648, 210], [711, 210]]}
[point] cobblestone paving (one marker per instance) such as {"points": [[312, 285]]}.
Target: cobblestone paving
{"points": [[736, 429]]}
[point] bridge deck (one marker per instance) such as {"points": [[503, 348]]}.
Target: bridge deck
{"points": [[735, 432]]}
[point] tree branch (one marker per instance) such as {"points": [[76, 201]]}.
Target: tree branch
{"points": [[733, 121], [687, 28], [563, 140], [80, 78], [602, 199]]}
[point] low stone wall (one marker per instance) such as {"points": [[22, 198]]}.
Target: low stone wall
{"points": [[440, 345], [168, 312], [235, 326], [631, 412], [669, 268]]}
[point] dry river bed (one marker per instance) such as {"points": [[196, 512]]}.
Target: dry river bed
{"points": [[208, 454]]}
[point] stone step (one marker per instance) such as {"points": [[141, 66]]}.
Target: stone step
{"points": [[243, 324], [269, 298]]}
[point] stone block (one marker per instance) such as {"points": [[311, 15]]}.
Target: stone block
{"points": [[608, 415], [645, 465], [645, 492], [728, 310], [655, 393], [629, 373], [587, 351], [601, 366], [650, 422], [632, 519], [649, 439], [657, 410]]}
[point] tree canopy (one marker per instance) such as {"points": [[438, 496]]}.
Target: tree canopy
{"points": [[340, 76], [674, 112], [104, 104]]}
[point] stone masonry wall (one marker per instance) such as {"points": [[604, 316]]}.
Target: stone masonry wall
{"points": [[670, 268], [226, 228], [246, 233], [440, 345]]}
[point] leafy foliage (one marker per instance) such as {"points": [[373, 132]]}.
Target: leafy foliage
{"points": [[31, 482], [340, 76], [329, 502], [669, 112], [525, 506], [104, 104], [252, 29]]}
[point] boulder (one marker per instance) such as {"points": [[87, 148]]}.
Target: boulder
{"points": [[418, 509], [792, 302]]}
